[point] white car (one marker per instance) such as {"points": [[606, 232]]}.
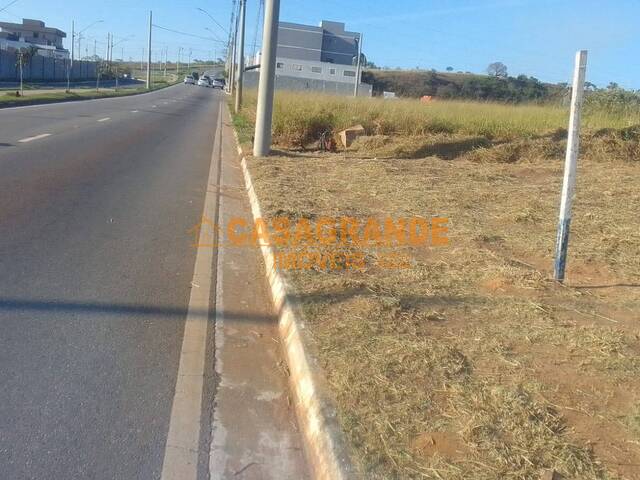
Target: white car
{"points": [[218, 83], [203, 82], [188, 80]]}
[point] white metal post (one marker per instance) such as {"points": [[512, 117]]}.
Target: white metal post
{"points": [[238, 104], [264, 112], [570, 164], [149, 51], [357, 85]]}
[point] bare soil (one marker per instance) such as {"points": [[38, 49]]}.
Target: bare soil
{"points": [[472, 362]]}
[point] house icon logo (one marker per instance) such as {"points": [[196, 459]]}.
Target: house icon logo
{"points": [[205, 233]]}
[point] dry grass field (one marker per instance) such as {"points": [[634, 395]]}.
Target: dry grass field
{"points": [[468, 361]]}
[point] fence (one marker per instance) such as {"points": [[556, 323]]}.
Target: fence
{"points": [[44, 69], [308, 84]]}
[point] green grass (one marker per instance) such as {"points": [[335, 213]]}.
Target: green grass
{"points": [[300, 118], [9, 100]]}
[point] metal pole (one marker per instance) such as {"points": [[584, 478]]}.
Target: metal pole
{"points": [[355, 89], [178, 62], [570, 164], [238, 105], [149, 52], [264, 113], [189, 62], [106, 54]]}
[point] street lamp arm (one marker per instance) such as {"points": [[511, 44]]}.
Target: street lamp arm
{"points": [[91, 25], [213, 19]]}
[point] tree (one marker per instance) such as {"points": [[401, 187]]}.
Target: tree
{"points": [[449, 69], [497, 69], [24, 57]]}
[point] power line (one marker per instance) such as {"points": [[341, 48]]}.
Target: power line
{"points": [[187, 34], [8, 5]]}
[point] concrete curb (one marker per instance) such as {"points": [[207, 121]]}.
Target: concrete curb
{"points": [[325, 447]]}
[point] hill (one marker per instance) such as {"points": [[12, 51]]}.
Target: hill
{"points": [[416, 83]]}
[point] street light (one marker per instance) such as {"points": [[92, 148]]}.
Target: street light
{"points": [[73, 34], [213, 19]]}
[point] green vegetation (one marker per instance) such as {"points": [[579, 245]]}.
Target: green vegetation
{"points": [[495, 87], [10, 100]]}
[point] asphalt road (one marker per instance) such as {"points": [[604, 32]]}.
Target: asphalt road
{"points": [[96, 202]]}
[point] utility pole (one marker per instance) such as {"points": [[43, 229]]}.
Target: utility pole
{"points": [[189, 62], [149, 53], [73, 38], [95, 42], [264, 113], [79, 48], [234, 58], [238, 104], [70, 69], [142, 59], [355, 89], [106, 53], [178, 61], [570, 166]]}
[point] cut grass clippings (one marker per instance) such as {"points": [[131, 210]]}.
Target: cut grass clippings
{"points": [[472, 363]]}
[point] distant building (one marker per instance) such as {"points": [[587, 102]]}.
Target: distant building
{"points": [[48, 40], [321, 58]]}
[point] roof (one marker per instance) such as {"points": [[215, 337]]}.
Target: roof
{"points": [[32, 26]]}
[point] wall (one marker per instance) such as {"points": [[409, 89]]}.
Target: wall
{"points": [[304, 84], [44, 69]]}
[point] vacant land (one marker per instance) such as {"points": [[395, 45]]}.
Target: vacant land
{"points": [[466, 361]]}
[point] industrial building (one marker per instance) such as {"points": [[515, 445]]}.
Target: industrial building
{"points": [[321, 58]]}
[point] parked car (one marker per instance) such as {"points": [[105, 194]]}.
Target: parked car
{"points": [[218, 83], [203, 82], [188, 80]]}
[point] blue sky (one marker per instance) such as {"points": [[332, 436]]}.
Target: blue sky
{"points": [[534, 37]]}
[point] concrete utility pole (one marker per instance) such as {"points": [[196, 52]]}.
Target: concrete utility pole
{"points": [[233, 73], [73, 39], [358, 67], [70, 68], [262, 143], [106, 53], [178, 61], [189, 62], [570, 164], [149, 51], [238, 104]]}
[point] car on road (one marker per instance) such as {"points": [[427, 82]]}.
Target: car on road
{"points": [[188, 80], [203, 82], [218, 83]]}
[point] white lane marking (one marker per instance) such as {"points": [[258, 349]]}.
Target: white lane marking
{"points": [[104, 119], [134, 111], [36, 137], [153, 106], [183, 440]]}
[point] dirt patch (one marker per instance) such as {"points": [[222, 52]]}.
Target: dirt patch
{"points": [[472, 363]]}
